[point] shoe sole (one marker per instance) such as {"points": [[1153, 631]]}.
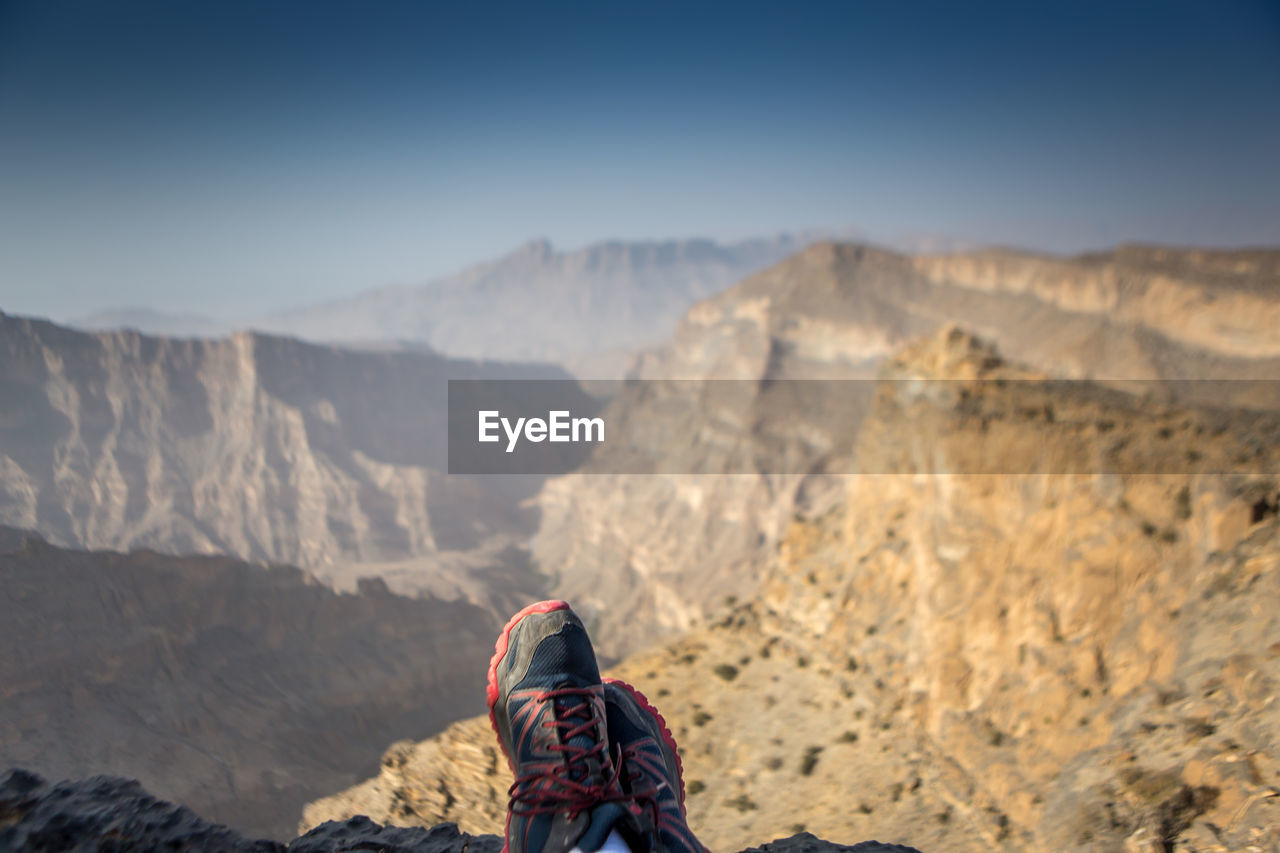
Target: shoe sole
{"points": [[663, 729], [499, 652]]}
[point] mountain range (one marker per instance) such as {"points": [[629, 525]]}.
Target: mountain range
{"points": [[587, 308], [878, 609]]}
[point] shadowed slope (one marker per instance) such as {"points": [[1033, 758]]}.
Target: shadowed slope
{"points": [[241, 689]]}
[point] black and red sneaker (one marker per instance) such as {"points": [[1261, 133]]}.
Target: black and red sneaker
{"points": [[546, 704], [652, 773]]}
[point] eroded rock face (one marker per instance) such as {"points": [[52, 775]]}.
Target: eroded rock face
{"points": [[667, 549], [1064, 661], [240, 689], [108, 813], [259, 447], [971, 662]]}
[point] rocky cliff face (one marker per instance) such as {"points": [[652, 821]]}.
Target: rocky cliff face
{"points": [[239, 689], [259, 447], [1217, 302], [1121, 314], [1078, 662], [667, 548]]}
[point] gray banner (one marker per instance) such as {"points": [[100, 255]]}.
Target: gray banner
{"points": [[928, 426]]}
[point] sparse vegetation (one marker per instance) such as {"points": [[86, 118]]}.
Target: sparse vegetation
{"points": [[727, 671], [701, 718], [810, 760], [695, 786], [1182, 503], [1150, 786], [743, 803], [1200, 728]]}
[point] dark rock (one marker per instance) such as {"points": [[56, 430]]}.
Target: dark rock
{"points": [[807, 842], [105, 814], [360, 833]]}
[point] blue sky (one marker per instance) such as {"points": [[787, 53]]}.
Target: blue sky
{"points": [[238, 157]]}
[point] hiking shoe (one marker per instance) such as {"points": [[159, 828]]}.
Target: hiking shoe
{"points": [[652, 774], [546, 704]]}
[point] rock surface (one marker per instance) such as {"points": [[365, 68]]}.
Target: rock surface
{"points": [[240, 689], [458, 775], [667, 548], [258, 447], [1050, 661], [106, 813]]}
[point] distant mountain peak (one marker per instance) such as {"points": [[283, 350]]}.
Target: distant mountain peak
{"points": [[538, 248], [592, 305]]}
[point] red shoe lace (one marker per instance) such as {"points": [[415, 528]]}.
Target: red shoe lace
{"points": [[646, 795], [567, 787]]}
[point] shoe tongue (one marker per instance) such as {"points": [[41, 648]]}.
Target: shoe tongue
{"points": [[603, 818]]}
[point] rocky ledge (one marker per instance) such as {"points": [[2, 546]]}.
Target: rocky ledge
{"points": [[106, 813]]}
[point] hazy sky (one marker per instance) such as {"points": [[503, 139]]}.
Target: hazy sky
{"points": [[232, 158]]}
